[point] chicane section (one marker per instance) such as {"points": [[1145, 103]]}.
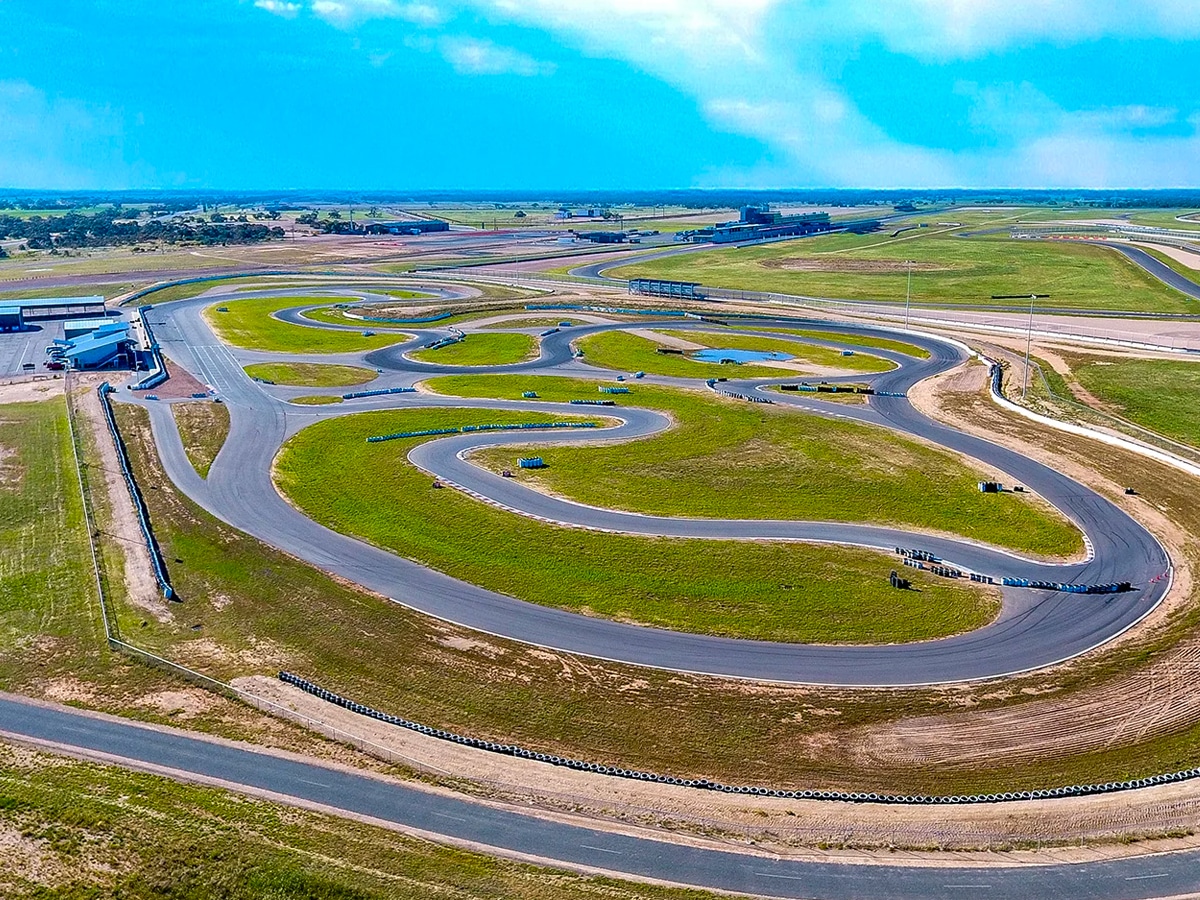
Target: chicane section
{"points": [[1034, 630]]}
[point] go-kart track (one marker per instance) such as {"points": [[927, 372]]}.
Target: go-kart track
{"points": [[1036, 628]]}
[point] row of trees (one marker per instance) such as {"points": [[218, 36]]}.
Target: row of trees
{"points": [[108, 229]]}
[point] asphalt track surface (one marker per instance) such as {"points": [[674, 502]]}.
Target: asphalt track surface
{"points": [[505, 831], [1035, 629]]}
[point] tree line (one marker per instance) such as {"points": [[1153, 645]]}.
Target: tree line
{"points": [[109, 229]]}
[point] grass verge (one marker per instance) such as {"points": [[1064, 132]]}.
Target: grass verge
{"points": [[249, 324], [88, 830], [203, 427], [311, 374], [731, 459], [316, 400], [1158, 394], [482, 349]]}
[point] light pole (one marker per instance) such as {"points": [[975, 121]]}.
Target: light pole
{"points": [[908, 293]]}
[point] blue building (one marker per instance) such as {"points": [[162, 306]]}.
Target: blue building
{"points": [[108, 348]]}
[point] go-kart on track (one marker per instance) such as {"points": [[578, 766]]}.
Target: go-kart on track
{"points": [[1035, 628]]}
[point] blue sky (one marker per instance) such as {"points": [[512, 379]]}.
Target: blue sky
{"points": [[530, 94]]}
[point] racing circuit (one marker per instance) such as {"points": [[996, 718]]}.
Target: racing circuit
{"points": [[1035, 628]]}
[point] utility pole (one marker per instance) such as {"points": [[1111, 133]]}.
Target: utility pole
{"points": [[1033, 298], [1028, 341], [908, 293]]}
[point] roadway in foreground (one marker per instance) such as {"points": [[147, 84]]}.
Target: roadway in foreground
{"points": [[509, 833]]}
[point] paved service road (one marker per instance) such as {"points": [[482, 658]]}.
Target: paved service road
{"points": [[1036, 628], [506, 831]]}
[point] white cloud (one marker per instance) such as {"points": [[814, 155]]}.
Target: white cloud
{"points": [[346, 13], [279, 7], [956, 29], [471, 56]]}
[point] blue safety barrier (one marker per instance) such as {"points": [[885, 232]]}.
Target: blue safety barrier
{"points": [[531, 462], [529, 395], [548, 332], [158, 373], [139, 503], [354, 395], [466, 429], [604, 389]]}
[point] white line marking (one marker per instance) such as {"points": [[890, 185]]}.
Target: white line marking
{"points": [[1144, 877], [600, 849]]}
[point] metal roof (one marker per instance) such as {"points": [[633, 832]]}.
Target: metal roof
{"points": [[43, 302], [10, 310], [92, 324], [92, 343]]}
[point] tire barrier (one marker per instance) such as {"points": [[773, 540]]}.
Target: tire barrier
{"points": [[613, 390], [548, 332], [594, 402], [529, 395], [425, 320], [379, 392], [990, 487], [467, 429], [749, 398], [444, 342], [922, 555], [135, 493], [1116, 587], [1073, 790], [620, 310]]}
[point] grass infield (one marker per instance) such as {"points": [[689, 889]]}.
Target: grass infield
{"points": [[1159, 394], [249, 324], [730, 459], [311, 374], [482, 349], [776, 591], [203, 428]]}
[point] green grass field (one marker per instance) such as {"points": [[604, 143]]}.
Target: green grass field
{"points": [[800, 352], [250, 325], [483, 349], [731, 459], [1158, 394], [950, 270], [316, 400], [775, 591], [203, 428], [85, 830], [45, 569], [311, 374], [624, 352], [845, 337]]}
